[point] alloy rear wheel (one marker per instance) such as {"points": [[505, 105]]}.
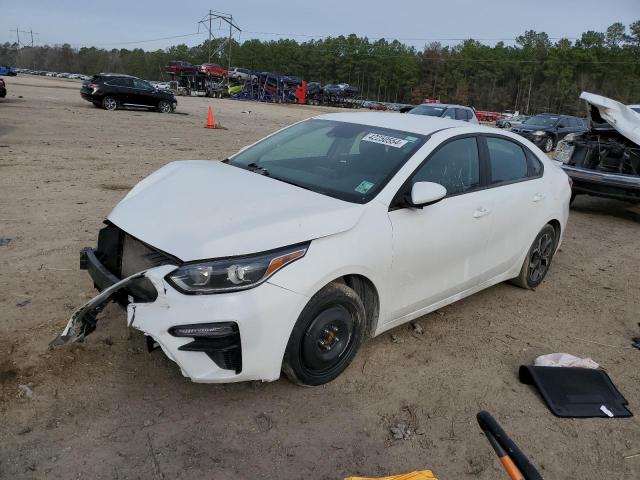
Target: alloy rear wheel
{"points": [[538, 260], [110, 103]]}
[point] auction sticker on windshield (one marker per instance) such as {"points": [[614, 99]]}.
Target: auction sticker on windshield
{"points": [[364, 187], [384, 140]]}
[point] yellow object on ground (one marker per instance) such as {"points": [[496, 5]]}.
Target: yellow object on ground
{"points": [[421, 475]]}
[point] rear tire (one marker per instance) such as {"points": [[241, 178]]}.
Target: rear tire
{"points": [[110, 103], [326, 336], [538, 260], [507, 125]]}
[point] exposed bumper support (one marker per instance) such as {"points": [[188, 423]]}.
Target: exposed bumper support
{"points": [[83, 321]]}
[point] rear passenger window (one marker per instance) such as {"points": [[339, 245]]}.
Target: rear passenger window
{"points": [[450, 113], [461, 114], [507, 160], [455, 166]]}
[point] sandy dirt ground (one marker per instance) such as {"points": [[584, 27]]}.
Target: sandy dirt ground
{"points": [[108, 409]]}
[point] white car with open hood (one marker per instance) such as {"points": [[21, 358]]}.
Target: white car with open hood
{"points": [[286, 256]]}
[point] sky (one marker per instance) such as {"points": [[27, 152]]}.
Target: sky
{"points": [[147, 24]]}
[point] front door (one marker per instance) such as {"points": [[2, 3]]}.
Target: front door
{"points": [[438, 250], [142, 93]]}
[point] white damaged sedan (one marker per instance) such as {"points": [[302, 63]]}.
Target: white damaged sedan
{"points": [[286, 256]]}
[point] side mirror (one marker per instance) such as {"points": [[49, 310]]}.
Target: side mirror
{"points": [[426, 193]]}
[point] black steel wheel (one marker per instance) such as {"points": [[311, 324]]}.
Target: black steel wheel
{"points": [[326, 336], [538, 260]]}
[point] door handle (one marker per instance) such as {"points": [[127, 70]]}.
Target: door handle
{"points": [[537, 197], [481, 212]]}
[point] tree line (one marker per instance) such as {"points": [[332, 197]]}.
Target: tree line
{"points": [[532, 76]]}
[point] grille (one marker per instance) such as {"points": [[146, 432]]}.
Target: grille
{"points": [[124, 256], [136, 256]]}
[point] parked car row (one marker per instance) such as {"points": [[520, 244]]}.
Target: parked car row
{"points": [[46, 73]]}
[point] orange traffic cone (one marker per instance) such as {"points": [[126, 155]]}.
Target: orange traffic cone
{"points": [[211, 123]]}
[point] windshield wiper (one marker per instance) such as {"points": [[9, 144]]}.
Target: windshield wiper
{"points": [[254, 167], [293, 183]]}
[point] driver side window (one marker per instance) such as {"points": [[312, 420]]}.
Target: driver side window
{"points": [[455, 166], [141, 84]]}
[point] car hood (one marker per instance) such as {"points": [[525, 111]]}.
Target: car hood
{"points": [[196, 210], [616, 114], [531, 128]]}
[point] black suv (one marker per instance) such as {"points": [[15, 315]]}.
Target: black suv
{"points": [[112, 91], [547, 129]]}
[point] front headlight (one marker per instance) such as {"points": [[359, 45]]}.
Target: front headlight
{"points": [[234, 273], [539, 133]]}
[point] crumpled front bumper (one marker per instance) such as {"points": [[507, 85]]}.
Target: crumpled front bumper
{"points": [[263, 317]]}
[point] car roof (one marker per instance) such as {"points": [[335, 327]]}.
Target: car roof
{"points": [[420, 124], [113, 75], [444, 105]]}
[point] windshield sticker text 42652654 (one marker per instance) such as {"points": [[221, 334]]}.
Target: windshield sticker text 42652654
{"points": [[384, 140]]}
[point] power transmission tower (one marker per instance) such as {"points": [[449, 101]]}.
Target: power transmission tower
{"points": [[29, 32], [222, 17]]}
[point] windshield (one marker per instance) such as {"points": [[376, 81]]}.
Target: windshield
{"points": [[429, 110], [542, 121], [348, 161]]}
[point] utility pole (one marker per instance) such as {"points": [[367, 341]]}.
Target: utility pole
{"points": [[529, 95]]}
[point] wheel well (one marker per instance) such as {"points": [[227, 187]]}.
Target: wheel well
{"points": [[368, 293], [556, 226]]}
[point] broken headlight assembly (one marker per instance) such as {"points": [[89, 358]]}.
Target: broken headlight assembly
{"points": [[233, 273], [539, 133]]}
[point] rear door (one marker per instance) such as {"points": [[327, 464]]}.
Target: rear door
{"points": [[119, 87], [519, 193], [438, 250]]}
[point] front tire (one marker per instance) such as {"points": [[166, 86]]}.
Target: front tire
{"points": [[507, 125], [548, 145], [538, 260], [110, 103], [164, 106], [326, 336]]}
